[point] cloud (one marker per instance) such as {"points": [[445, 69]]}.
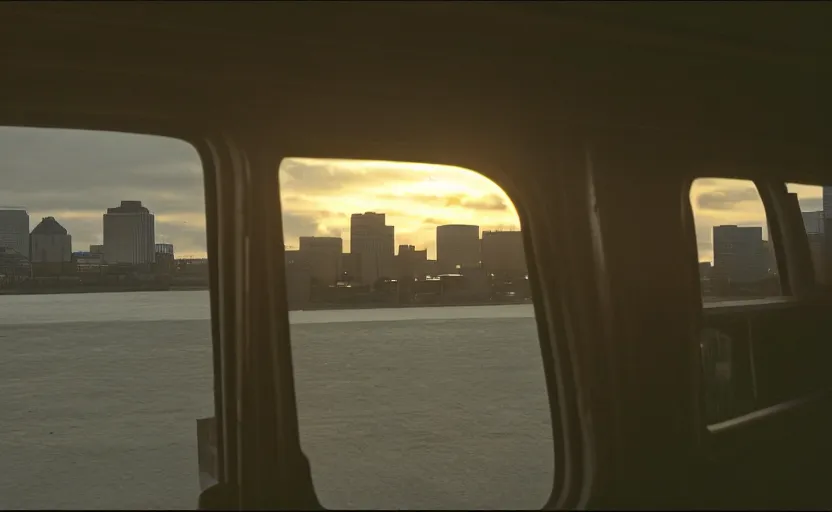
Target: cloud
{"points": [[75, 175], [489, 202], [322, 194], [727, 199], [810, 204]]}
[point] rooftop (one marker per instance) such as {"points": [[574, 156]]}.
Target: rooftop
{"points": [[129, 207], [49, 226]]}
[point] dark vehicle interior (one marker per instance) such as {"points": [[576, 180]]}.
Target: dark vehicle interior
{"points": [[593, 117]]}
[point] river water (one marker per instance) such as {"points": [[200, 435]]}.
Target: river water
{"points": [[437, 408]]}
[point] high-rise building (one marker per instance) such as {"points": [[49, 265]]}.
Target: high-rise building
{"points": [[129, 234], [322, 255], [164, 249], [827, 202], [14, 230], [457, 247], [50, 242], [813, 222], [411, 263], [165, 259], [739, 253], [503, 253], [351, 268], [373, 240]]}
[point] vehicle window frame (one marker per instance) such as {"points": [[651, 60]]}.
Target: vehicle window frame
{"points": [[555, 388], [771, 206]]}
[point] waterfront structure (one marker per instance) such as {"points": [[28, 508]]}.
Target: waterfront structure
{"points": [[373, 240], [129, 234], [164, 259], [164, 249], [813, 222], [50, 242], [322, 255], [740, 254], [503, 254], [14, 230], [457, 247], [410, 263]]}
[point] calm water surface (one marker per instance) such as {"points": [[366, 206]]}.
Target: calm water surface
{"points": [[399, 408]]}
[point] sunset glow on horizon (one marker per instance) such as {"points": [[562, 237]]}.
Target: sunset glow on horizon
{"points": [[75, 175]]}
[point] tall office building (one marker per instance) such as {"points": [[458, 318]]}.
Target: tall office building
{"points": [[322, 255], [14, 230], [373, 240], [503, 253], [129, 234], [164, 249], [827, 202], [813, 222], [457, 247], [740, 254], [50, 242], [410, 263]]}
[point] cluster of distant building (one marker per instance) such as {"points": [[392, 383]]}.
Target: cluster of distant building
{"points": [[744, 262], [46, 251], [466, 262]]}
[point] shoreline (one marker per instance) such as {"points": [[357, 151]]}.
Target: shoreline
{"points": [[331, 307], [99, 289], [83, 290]]}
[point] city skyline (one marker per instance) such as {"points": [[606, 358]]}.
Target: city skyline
{"points": [[74, 175]]}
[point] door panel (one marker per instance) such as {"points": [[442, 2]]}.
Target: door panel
{"points": [[770, 449]]}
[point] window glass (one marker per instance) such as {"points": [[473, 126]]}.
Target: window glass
{"points": [[815, 206], [419, 374], [104, 326], [736, 257]]}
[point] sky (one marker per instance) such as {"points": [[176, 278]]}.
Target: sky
{"points": [[76, 175]]}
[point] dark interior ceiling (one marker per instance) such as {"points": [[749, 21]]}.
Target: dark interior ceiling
{"points": [[624, 62]]}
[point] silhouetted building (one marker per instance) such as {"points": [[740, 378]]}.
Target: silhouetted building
{"points": [[50, 242], [827, 202], [97, 249], [164, 249], [50, 249], [165, 259], [770, 257], [816, 247], [88, 262], [14, 230], [410, 263], [813, 221], [322, 255], [291, 257], [503, 253], [14, 266], [705, 271], [374, 241], [129, 234], [457, 246], [351, 268], [298, 280], [739, 254]]}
